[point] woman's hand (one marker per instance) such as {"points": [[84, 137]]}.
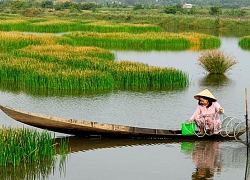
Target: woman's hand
{"points": [[221, 110], [189, 121]]}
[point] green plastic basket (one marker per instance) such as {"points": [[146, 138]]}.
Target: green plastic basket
{"points": [[187, 129]]}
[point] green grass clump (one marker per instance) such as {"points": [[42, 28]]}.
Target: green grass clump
{"points": [[81, 68], [132, 74], [49, 63], [128, 41], [192, 22], [144, 41], [22, 145], [244, 43], [54, 24], [216, 61]]}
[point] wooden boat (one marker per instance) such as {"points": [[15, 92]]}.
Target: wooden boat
{"points": [[102, 130]]}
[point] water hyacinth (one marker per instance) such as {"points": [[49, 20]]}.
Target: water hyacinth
{"points": [[216, 61]]}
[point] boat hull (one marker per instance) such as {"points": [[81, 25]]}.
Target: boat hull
{"points": [[97, 129]]}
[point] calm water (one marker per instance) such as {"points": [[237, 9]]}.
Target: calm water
{"points": [[155, 109]]}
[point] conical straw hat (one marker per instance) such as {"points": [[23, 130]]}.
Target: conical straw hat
{"points": [[205, 93]]}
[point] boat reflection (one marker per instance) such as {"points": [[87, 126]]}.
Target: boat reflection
{"points": [[77, 144]]}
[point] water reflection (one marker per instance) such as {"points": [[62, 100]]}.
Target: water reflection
{"points": [[247, 166], [36, 170], [207, 156], [16, 88], [206, 159], [77, 144], [215, 80], [210, 156]]}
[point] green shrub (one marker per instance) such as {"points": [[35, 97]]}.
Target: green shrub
{"points": [[215, 10]]}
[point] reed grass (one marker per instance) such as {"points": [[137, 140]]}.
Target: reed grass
{"points": [[89, 73], [121, 21], [24, 146], [131, 74], [216, 61], [199, 23], [40, 61], [31, 72], [244, 43], [28, 154], [16, 40], [144, 41], [53, 24], [120, 40]]}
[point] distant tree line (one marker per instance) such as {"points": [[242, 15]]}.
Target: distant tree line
{"points": [[203, 3], [212, 10], [127, 3], [234, 7], [206, 3]]}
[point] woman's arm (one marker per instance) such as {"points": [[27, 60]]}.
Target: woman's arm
{"points": [[195, 114], [218, 108]]}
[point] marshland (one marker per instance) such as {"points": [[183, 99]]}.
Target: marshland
{"points": [[121, 66]]}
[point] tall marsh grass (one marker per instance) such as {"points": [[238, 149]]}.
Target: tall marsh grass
{"points": [[216, 61], [244, 42], [144, 41], [131, 74], [198, 23], [42, 69], [16, 40], [23, 145], [40, 61], [53, 24]]}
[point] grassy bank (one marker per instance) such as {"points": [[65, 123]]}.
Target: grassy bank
{"points": [[221, 24], [122, 20], [55, 24]]}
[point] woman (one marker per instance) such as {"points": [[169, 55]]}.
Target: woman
{"points": [[206, 114]]}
